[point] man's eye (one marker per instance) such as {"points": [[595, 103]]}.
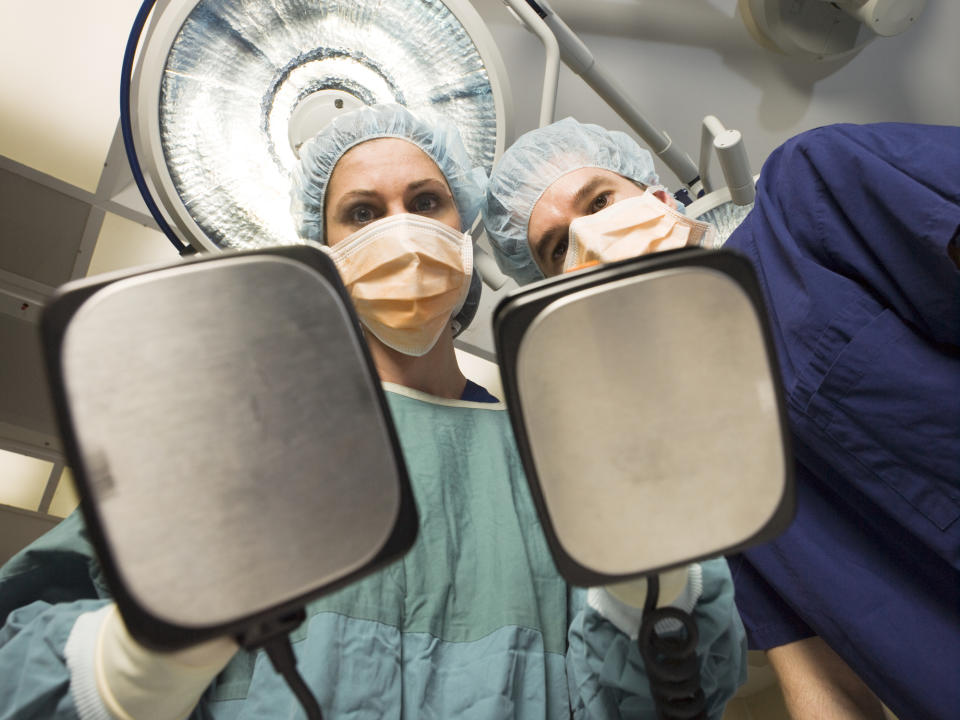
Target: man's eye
{"points": [[559, 251], [600, 201], [425, 203], [361, 214]]}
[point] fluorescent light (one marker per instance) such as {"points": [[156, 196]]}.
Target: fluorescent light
{"points": [[23, 480], [65, 499]]}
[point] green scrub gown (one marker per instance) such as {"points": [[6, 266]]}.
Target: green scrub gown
{"points": [[474, 622]]}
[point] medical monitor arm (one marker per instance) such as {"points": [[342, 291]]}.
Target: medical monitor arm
{"points": [[554, 33]]}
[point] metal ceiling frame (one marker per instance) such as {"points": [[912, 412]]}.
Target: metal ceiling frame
{"points": [[24, 298]]}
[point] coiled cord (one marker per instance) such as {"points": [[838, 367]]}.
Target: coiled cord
{"points": [[673, 668]]}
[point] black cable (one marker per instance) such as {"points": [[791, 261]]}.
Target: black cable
{"points": [[653, 594], [280, 652], [673, 668]]}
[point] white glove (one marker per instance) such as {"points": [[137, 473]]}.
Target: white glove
{"points": [[622, 604], [134, 682]]}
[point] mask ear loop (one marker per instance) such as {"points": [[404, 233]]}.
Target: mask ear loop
{"points": [[463, 315]]}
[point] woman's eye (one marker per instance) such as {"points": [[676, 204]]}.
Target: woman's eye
{"points": [[360, 214], [425, 203], [559, 251]]}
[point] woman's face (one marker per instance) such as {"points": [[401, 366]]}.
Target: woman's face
{"points": [[384, 177]]}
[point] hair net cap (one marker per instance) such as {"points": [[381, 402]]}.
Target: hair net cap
{"points": [[438, 138], [532, 164]]}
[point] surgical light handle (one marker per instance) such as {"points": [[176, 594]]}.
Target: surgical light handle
{"points": [[732, 156], [553, 31]]}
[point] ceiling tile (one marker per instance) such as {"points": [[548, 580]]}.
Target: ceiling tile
{"points": [[60, 84]]}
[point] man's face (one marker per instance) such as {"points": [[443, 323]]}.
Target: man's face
{"points": [[581, 192]]}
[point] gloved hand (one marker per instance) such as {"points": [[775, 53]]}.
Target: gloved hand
{"points": [[135, 682], [622, 603], [634, 592]]}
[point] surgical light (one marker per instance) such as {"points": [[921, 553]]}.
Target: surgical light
{"points": [[825, 29], [224, 92]]}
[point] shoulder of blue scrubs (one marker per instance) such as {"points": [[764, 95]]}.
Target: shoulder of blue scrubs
{"points": [[476, 393]]}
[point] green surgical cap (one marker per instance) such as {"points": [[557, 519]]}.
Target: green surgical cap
{"points": [[532, 164], [438, 138]]}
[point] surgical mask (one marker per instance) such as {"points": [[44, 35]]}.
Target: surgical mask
{"points": [[407, 276], [636, 226]]}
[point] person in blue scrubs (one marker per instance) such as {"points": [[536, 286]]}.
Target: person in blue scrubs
{"points": [[855, 236], [475, 621], [854, 239]]}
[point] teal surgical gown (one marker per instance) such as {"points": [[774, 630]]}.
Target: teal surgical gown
{"points": [[474, 622]]}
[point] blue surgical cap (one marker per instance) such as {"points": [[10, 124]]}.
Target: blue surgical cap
{"points": [[532, 164], [438, 138]]}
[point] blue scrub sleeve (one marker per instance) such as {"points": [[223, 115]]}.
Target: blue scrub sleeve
{"points": [[769, 620], [877, 204], [605, 672]]}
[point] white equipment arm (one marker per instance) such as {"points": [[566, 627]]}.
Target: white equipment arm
{"points": [[540, 19]]}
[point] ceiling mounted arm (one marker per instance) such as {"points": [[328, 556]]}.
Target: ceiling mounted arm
{"points": [[732, 155], [531, 15], [538, 16]]}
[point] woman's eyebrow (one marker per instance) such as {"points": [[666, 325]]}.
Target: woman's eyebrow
{"points": [[356, 193], [353, 195], [417, 184]]}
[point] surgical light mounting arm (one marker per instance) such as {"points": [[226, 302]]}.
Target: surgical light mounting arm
{"points": [[557, 37], [732, 156]]}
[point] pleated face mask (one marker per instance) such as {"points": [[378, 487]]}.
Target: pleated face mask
{"points": [[636, 226], [407, 276]]}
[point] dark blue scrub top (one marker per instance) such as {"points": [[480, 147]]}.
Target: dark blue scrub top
{"points": [[476, 393], [849, 239]]}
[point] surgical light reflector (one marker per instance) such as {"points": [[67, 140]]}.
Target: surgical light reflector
{"points": [[225, 91]]}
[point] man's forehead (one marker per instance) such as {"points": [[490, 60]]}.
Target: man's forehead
{"points": [[570, 183]]}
